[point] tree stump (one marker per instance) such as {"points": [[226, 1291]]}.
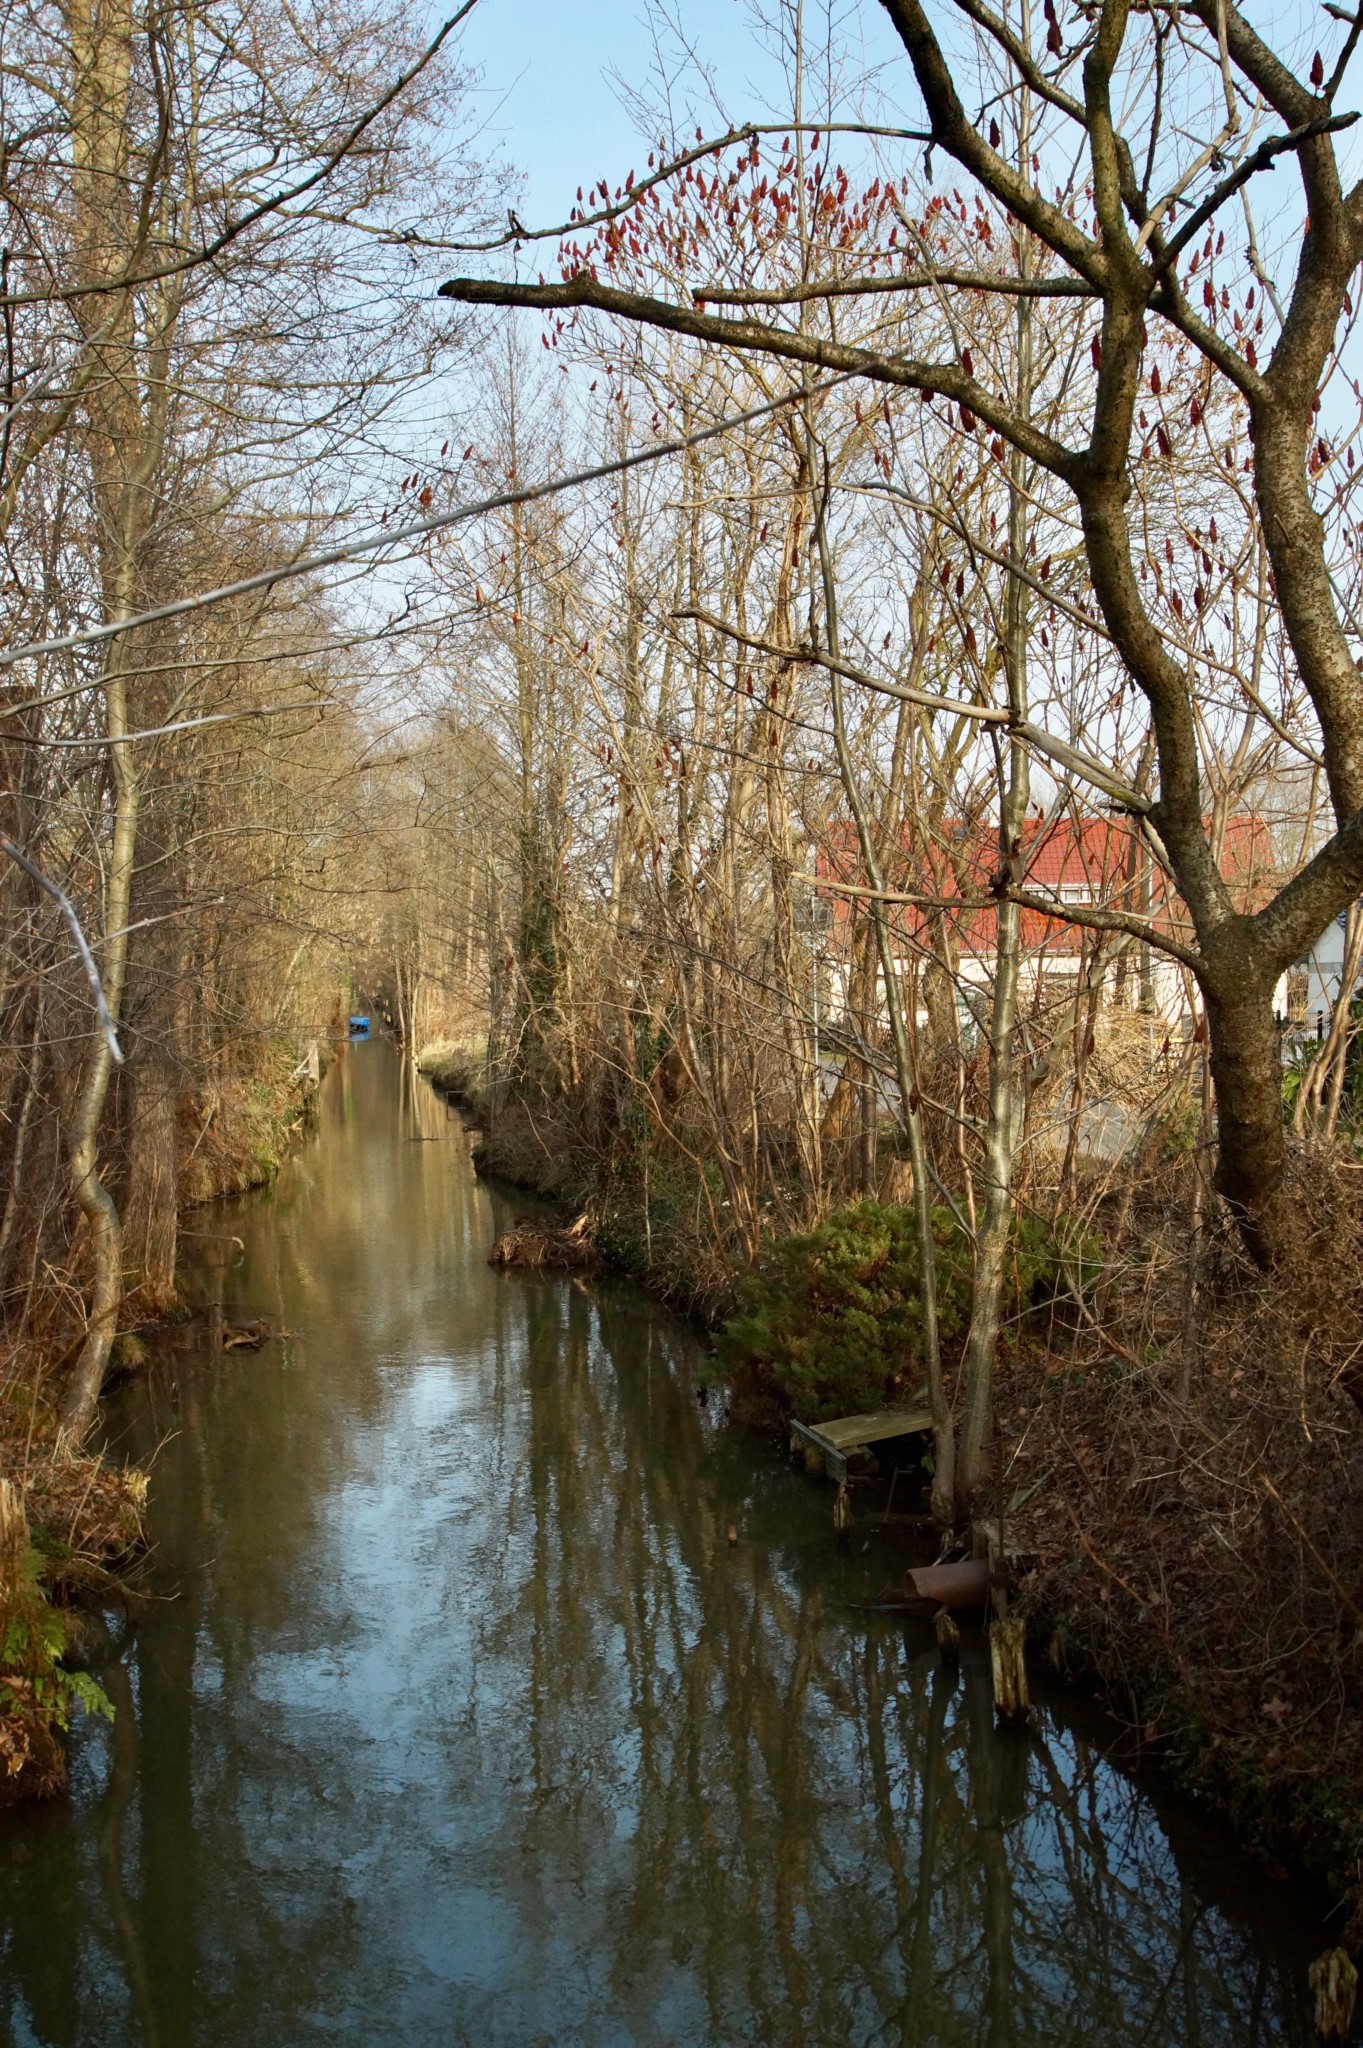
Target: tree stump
{"points": [[1007, 1657]]}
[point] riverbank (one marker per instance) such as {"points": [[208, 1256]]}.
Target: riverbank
{"points": [[649, 1225], [1186, 1484], [1194, 1510], [76, 1521], [69, 1525], [243, 1125]]}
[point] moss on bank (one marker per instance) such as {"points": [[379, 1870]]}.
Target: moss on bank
{"points": [[236, 1133]]}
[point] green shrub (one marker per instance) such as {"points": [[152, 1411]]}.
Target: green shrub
{"points": [[32, 1675], [834, 1317], [1181, 1131]]}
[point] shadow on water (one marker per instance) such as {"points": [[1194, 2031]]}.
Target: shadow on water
{"points": [[457, 1719]]}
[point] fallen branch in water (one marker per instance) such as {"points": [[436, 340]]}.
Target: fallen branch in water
{"points": [[533, 1242]]}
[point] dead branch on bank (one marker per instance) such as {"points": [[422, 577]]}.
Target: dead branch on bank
{"points": [[533, 1242]]}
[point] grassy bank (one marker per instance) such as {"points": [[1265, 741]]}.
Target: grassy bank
{"points": [[236, 1133], [454, 1066]]}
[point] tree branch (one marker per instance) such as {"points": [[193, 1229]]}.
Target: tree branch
{"points": [[815, 659], [133, 278], [948, 380], [87, 958], [1303, 908], [905, 281], [1258, 160], [956, 133], [710, 146]]}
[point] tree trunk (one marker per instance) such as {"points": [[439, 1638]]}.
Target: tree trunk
{"points": [[96, 1203], [150, 1226], [1246, 1065], [994, 1235], [125, 449], [154, 1009], [944, 1494], [1007, 1103]]}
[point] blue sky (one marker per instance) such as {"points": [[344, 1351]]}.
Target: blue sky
{"points": [[549, 103]]}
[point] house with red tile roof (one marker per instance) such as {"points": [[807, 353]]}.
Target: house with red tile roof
{"points": [[948, 904]]}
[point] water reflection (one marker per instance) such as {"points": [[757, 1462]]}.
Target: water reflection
{"points": [[458, 1718]]}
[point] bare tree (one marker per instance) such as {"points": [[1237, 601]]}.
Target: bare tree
{"points": [[1154, 202]]}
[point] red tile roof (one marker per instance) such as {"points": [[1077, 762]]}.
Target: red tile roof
{"points": [[1101, 860]]}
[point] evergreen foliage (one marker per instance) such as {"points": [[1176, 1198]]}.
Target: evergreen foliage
{"points": [[832, 1318], [39, 1694]]}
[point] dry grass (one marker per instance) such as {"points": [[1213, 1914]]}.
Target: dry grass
{"points": [[1185, 1469]]}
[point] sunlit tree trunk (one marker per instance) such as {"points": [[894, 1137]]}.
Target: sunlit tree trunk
{"points": [[1007, 1100], [127, 435]]}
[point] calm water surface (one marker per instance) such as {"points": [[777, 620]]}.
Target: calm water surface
{"points": [[455, 1719]]}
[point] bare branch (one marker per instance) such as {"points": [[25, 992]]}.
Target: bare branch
{"points": [[711, 145], [818, 659], [947, 380], [68, 911], [417, 529]]}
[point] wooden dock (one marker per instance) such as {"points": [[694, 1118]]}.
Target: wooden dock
{"points": [[837, 1441]]}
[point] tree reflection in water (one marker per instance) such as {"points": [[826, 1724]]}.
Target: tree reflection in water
{"points": [[818, 1832], [463, 1721]]}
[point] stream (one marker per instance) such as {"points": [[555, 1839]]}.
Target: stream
{"points": [[453, 1717]]}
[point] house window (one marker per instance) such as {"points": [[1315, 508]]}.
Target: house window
{"points": [[1075, 892]]}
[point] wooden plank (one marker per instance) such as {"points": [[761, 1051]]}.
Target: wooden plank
{"points": [[837, 1440], [852, 1432], [834, 1463]]}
